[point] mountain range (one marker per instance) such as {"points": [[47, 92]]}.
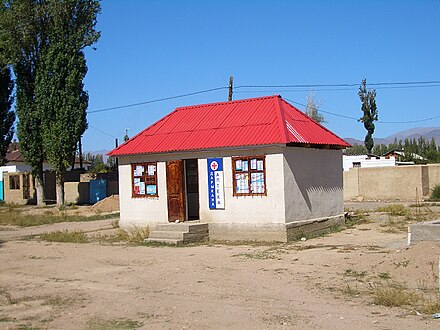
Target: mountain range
{"points": [[427, 132]]}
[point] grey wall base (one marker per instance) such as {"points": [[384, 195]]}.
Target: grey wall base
{"points": [[426, 231], [273, 232]]}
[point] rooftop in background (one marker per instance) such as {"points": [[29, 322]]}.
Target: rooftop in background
{"points": [[258, 121]]}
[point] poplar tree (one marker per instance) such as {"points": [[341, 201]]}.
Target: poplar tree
{"points": [[22, 40], [7, 117], [62, 100], [370, 114]]}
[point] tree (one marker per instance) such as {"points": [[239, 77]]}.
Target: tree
{"points": [[355, 150], [22, 40], [312, 109], [369, 109], [62, 100], [7, 117]]}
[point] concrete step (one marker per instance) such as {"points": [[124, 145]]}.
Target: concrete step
{"points": [[188, 227], [169, 241], [177, 235]]}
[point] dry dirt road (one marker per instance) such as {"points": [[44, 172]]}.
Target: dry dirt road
{"points": [[322, 283]]}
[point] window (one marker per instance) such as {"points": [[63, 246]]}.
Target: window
{"points": [[14, 182], [144, 179], [356, 164], [249, 176]]}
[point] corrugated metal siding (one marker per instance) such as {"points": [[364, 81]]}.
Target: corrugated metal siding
{"points": [[229, 124]]}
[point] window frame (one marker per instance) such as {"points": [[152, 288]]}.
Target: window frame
{"points": [[14, 182], [249, 172], [147, 179]]}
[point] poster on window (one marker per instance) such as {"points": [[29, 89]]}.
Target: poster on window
{"points": [[216, 192], [253, 164], [151, 170], [238, 165], [257, 183], [242, 183], [138, 170], [137, 185], [260, 166], [151, 189]]}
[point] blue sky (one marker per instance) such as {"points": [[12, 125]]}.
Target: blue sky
{"points": [[154, 49]]}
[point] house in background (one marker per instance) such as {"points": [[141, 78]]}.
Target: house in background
{"points": [[366, 161], [255, 169], [400, 155]]}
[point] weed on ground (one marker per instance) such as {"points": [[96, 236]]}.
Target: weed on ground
{"points": [[65, 236]]}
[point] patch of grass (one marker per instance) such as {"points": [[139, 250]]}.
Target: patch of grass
{"points": [[435, 192], [65, 237], [355, 273], [116, 324], [115, 223], [431, 306], [393, 226], [384, 276], [352, 292], [394, 296], [394, 209], [25, 220], [133, 234]]}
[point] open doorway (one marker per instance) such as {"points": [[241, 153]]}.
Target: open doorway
{"points": [[192, 189]]}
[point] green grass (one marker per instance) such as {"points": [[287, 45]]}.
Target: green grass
{"points": [[65, 236], [394, 209], [116, 324], [15, 218], [435, 192]]}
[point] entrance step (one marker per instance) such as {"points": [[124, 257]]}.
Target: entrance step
{"points": [[179, 233]]}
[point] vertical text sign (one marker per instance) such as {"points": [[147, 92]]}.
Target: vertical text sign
{"points": [[216, 193]]}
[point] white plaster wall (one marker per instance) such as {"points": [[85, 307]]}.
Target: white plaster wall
{"points": [[313, 183], [258, 209], [142, 211], [245, 209]]}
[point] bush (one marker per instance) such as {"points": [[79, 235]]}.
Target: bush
{"points": [[435, 193]]}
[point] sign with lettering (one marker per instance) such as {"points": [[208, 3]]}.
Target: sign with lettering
{"points": [[216, 193]]}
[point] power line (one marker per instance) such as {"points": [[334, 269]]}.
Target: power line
{"points": [[379, 121], [99, 130], [157, 100]]}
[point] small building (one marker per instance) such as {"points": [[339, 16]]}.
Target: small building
{"points": [[400, 155], [350, 161], [255, 169]]}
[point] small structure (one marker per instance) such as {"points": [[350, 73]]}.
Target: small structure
{"points": [[400, 155], [366, 161], [256, 169]]}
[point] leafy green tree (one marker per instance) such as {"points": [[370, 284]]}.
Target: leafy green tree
{"points": [[62, 100], [22, 40], [355, 150], [370, 114], [7, 117]]}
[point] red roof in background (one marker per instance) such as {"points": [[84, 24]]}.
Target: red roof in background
{"points": [[258, 121]]}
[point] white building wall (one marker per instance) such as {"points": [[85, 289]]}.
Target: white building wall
{"points": [[313, 183], [367, 162], [245, 209], [142, 211]]}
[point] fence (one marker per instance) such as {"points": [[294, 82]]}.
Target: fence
{"points": [[391, 183]]}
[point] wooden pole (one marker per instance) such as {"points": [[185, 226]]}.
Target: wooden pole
{"points": [[231, 80]]}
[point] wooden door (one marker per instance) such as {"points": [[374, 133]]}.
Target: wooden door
{"points": [[176, 191]]}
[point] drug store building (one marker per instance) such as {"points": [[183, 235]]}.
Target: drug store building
{"points": [[255, 169]]}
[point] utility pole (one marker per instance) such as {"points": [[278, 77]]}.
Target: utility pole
{"points": [[231, 79], [117, 159], [80, 151]]}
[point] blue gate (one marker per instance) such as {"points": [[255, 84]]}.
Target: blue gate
{"points": [[98, 190]]}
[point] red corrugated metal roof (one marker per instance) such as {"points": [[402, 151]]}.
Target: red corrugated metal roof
{"points": [[258, 121]]}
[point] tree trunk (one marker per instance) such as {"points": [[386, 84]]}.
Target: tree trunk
{"points": [[60, 188], [39, 187]]}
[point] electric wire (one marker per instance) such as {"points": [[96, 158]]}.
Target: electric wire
{"points": [[357, 119]]}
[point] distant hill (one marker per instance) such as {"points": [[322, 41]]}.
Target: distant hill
{"points": [[427, 132]]}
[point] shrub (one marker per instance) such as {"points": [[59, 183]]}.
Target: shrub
{"points": [[435, 193]]}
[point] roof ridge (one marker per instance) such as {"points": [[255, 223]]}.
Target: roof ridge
{"points": [[227, 102]]}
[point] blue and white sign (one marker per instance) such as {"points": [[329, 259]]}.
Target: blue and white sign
{"points": [[216, 192]]}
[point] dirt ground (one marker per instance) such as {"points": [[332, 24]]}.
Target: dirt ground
{"points": [[321, 283]]}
